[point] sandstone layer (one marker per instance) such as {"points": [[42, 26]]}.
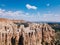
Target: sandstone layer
{"points": [[18, 33]]}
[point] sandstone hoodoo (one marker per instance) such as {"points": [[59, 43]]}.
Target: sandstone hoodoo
{"points": [[19, 33]]}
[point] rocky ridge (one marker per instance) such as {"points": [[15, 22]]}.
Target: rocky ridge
{"points": [[14, 33]]}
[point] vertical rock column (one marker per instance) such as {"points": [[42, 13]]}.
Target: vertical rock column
{"points": [[0, 38], [3, 38]]}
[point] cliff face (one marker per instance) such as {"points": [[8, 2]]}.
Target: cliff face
{"points": [[33, 34]]}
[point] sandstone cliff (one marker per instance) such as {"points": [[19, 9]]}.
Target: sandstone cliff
{"points": [[19, 34]]}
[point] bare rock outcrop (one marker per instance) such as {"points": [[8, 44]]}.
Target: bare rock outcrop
{"points": [[34, 34]]}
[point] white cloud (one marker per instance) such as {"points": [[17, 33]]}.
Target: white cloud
{"points": [[29, 17], [48, 4], [31, 7]]}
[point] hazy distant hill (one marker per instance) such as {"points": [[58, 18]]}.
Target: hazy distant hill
{"points": [[55, 26]]}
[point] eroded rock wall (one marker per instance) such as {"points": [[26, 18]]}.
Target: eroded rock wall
{"points": [[34, 34]]}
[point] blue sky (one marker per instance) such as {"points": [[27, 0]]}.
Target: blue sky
{"points": [[31, 10]]}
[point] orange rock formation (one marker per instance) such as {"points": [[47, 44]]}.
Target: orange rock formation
{"points": [[33, 34]]}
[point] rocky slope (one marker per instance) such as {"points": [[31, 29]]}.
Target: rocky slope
{"points": [[25, 33]]}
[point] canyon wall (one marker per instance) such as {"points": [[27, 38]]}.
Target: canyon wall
{"points": [[14, 33]]}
